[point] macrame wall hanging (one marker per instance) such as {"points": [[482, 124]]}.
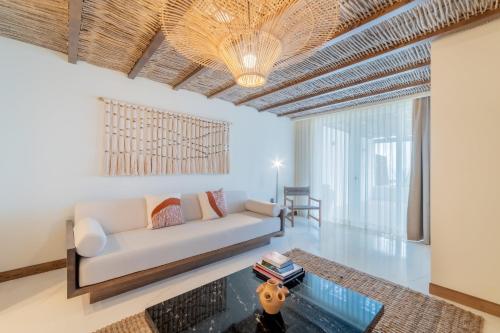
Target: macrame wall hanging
{"points": [[141, 140]]}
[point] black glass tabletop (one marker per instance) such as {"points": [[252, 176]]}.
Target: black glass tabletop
{"points": [[230, 304]]}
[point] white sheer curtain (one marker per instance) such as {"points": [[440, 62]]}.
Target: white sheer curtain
{"points": [[358, 162]]}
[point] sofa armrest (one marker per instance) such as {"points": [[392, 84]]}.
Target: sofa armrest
{"points": [[263, 207], [70, 236], [71, 260]]}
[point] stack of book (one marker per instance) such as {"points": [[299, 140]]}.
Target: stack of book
{"points": [[277, 266]]}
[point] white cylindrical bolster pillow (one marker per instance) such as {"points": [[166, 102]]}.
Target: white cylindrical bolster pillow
{"points": [[90, 238], [263, 207]]}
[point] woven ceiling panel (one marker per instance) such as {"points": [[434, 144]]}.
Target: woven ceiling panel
{"points": [[234, 94], [207, 81], [166, 65], [115, 33], [430, 16], [415, 76], [352, 11], [40, 22], [369, 100], [396, 61]]}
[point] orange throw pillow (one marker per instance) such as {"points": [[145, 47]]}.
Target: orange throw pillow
{"points": [[164, 211], [213, 204]]}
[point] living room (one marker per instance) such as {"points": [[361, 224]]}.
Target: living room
{"points": [[317, 166]]}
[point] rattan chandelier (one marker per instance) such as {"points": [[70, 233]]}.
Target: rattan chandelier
{"points": [[248, 38]]}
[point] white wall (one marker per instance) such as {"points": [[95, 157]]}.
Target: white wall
{"points": [[51, 146], [465, 162]]}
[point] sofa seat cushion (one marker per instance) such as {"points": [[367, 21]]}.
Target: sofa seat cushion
{"points": [[140, 249]]}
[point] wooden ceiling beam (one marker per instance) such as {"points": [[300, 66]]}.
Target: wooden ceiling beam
{"points": [[402, 45], [188, 77], [74, 24], [356, 97], [221, 90], [154, 45], [369, 79]]}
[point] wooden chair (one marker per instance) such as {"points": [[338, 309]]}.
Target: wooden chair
{"points": [[292, 207]]}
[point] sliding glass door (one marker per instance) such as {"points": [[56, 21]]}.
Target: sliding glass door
{"points": [[358, 162]]}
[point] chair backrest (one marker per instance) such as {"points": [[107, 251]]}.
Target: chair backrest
{"points": [[297, 191]]}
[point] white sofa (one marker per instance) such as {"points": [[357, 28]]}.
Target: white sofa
{"points": [[131, 248]]}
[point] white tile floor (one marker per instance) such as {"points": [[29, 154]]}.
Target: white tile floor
{"points": [[38, 303]]}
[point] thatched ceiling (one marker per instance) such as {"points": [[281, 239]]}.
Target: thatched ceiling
{"points": [[380, 52]]}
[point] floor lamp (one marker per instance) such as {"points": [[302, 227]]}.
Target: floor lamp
{"points": [[277, 164]]}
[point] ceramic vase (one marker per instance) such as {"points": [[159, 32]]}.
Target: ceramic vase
{"points": [[272, 295]]}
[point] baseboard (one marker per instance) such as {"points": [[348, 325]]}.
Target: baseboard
{"points": [[32, 270], [465, 299]]}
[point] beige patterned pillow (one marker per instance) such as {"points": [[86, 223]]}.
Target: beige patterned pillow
{"points": [[164, 211], [213, 204]]}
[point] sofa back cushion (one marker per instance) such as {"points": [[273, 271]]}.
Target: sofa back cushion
{"points": [[127, 214], [190, 207], [114, 215], [235, 201]]}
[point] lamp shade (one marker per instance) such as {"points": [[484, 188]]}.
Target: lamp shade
{"points": [[248, 38]]}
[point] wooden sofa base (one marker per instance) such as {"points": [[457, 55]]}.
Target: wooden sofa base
{"points": [[106, 289]]}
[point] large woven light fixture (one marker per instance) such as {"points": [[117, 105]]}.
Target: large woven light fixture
{"points": [[248, 37]]}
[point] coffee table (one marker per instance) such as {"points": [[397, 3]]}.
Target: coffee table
{"points": [[230, 304]]}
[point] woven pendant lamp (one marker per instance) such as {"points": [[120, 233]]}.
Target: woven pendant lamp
{"points": [[248, 38]]}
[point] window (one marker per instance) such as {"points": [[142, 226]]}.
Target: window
{"points": [[358, 162]]}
